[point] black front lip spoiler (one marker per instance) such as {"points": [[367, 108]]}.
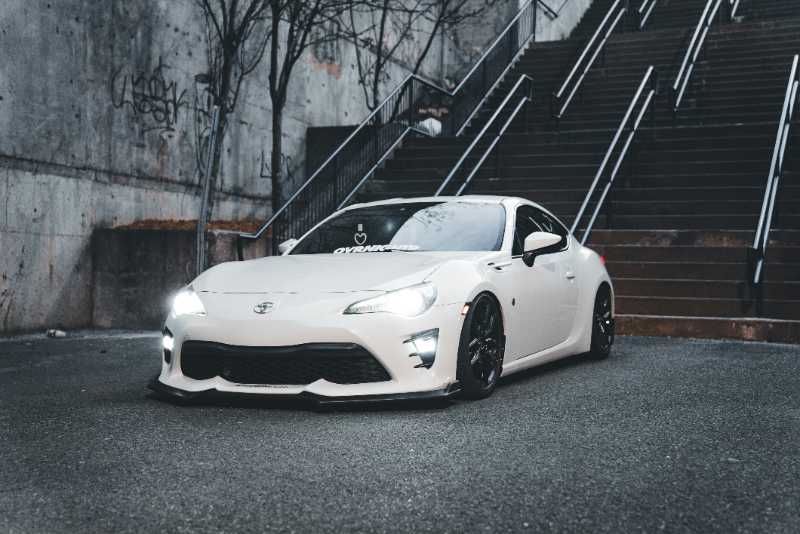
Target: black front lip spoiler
{"points": [[321, 400]]}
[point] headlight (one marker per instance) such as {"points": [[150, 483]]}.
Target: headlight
{"points": [[409, 302], [187, 302], [168, 342]]}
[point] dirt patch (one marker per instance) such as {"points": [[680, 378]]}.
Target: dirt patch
{"points": [[247, 225]]}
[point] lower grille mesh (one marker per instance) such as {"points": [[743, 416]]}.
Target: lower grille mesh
{"points": [[341, 363]]}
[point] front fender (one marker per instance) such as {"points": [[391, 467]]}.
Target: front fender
{"points": [[460, 281]]}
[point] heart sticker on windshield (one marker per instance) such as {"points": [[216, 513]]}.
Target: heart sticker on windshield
{"points": [[360, 237]]}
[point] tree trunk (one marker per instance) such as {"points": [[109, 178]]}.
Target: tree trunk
{"points": [[275, 159], [209, 180]]}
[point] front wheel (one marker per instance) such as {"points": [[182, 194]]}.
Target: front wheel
{"points": [[480, 351], [602, 324]]}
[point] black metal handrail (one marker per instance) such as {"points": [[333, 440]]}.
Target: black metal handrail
{"points": [[694, 49], [761, 240], [400, 114], [644, 100], [521, 94], [596, 44], [491, 68], [734, 8], [644, 11], [551, 13]]}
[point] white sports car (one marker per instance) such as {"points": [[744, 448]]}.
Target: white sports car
{"points": [[400, 299]]}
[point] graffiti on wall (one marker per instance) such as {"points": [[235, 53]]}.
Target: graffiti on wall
{"points": [[150, 96], [287, 166]]}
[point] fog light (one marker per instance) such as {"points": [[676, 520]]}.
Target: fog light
{"points": [[423, 346], [168, 343]]}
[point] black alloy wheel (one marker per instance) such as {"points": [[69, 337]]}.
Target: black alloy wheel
{"points": [[602, 324], [480, 353]]}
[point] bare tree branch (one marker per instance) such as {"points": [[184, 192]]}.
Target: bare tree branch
{"points": [[405, 18], [237, 33]]}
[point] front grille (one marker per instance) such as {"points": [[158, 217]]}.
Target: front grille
{"points": [[341, 363]]}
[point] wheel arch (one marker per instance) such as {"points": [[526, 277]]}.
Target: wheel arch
{"points": [[606, 283], [595, 276], [491, 294], [463, 281]]}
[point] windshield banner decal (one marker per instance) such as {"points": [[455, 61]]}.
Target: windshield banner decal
{"points": [[375, 248]]}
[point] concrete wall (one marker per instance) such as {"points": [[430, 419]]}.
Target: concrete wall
{"points": [[98, 128], [47, 217], [555, 29], [124, 258]]}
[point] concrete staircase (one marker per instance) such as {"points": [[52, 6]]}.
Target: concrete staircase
{"points": [[677, 228]]}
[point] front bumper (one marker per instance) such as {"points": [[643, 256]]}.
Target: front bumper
{"points": [[313, 398], [297, 321]]}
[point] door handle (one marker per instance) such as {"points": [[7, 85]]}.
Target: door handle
{"points": [[499, 266], [570, 275]]}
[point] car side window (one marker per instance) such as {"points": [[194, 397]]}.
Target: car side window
{"points": [[525, 224], [547, 223], [529, 220]]}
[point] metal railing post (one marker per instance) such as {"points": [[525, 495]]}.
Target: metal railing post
{"points": [[631, 129], [693, 52], [653, 121], [761, 240], [336, 178], [412, 106], [564, 95], [522, 79]]}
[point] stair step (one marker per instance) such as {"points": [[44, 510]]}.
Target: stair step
{"points": [[738, 271], [616, 209], [716, 238], [684, 208], [748, 329], [672, 253], [700, 289], [705, 307]]}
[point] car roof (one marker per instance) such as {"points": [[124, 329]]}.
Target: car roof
{"points": [[476, 199]]}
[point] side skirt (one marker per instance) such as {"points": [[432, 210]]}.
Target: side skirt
{"points": [[562, 350]]}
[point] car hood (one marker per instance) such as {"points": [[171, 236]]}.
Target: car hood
{"points": [[326, 273]]}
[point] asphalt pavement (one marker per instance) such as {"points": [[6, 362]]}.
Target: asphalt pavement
{"points": [[666, 435]]}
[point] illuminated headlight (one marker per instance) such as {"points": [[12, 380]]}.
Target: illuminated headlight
{"points": [[168, 342], [423, 345], [408, 302], [187, 302]]}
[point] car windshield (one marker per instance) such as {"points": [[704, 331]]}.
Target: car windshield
{"points": [[409, 227]]}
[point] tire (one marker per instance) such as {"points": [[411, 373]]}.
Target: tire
{"points": [[602, 324], [481, 348]]}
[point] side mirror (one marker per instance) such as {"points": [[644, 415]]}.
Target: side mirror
{"points": [[539, 244], [286, 246]]}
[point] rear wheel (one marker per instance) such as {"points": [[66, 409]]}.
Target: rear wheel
{"points": [[602, 324], [480, 351]]}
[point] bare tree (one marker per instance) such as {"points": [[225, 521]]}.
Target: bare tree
{"points": [[443, 14], [373, 25], [296, 26], [380, 29], [237, 34]]}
